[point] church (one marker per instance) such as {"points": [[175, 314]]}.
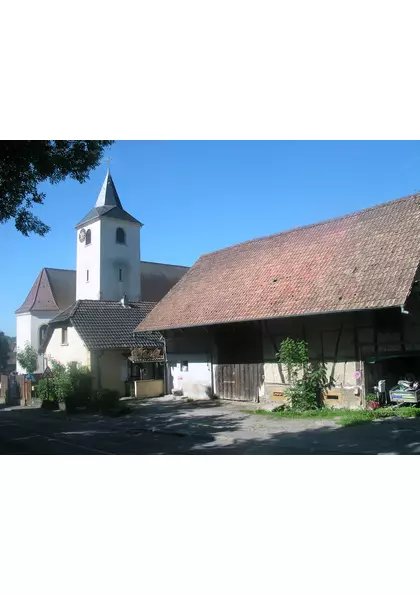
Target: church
{"points": [[88, 315]]}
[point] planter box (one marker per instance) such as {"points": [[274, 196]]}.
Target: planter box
{"points": [[148, 388]]}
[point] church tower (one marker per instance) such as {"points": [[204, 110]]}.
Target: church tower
{"points": [[108, 250]]}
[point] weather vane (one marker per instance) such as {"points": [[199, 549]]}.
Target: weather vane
{"points": [[108, 161]]}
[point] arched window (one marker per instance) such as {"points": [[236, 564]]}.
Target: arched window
{"points": [[88, 236], [42, 331], [120, 235]]}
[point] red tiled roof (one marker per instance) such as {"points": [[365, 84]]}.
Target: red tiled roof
{"points": [[365, 260]]}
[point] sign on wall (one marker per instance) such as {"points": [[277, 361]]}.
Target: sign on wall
{"points": [[146, 354]]}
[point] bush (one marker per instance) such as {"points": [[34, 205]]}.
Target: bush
{"points": [[69, 384], [308, 379], [105, 400], [44, 390]]}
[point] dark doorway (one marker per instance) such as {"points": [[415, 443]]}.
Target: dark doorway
{"points": [[392, 368]]}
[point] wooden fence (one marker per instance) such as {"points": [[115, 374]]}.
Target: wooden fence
{"points": [[16, 390]]}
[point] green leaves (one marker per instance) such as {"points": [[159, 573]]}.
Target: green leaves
{"points": [[293, 352], [24, 164], [68, 381], [309, 380], [28, 358]]}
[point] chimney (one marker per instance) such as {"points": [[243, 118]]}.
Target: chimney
{"points": [[124, 301]]}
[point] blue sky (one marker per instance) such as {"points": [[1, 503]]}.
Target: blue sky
{"points": [[198, 196]]}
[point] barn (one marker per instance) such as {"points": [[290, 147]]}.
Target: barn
{"points": [[349, 286]]}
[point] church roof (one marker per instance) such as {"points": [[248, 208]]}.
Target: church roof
{"points": [[106, 325], [53, 290], [108, 204], [108, 196], [365, 260]]}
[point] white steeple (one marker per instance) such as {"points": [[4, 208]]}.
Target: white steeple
{"points": [[108, 249]]}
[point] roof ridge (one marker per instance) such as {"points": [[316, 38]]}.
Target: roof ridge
{"points": [[51, 286], [163, 264], [38, 284], [319, 223], [63, 269], [115, 301]]}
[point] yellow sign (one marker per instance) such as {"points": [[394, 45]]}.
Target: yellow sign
{"points": [[277, 396]]}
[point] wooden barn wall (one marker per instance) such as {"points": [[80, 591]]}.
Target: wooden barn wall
{"points": [[343, 337], [332, 337], [195, 341]]}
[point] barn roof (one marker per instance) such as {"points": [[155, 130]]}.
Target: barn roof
{"points": [[106, 324], [364, 260]]}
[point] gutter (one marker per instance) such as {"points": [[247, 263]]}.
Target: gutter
{"points": [[301, 315]]}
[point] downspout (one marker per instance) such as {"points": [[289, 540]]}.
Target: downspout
{"points": [[98, 369], [165, 367]]}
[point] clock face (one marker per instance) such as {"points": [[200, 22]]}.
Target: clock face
{"points": [[82, 235]]}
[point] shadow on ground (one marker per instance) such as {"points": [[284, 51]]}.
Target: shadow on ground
{"points": [[195, 428]]}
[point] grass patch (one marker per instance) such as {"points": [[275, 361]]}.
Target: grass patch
{"points": [[320, 413], [343, 416]]}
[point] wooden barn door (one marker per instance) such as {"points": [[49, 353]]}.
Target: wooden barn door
{"points": [[238, 382]]}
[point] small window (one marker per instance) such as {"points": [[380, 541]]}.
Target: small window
{"points": [[64, 336], [42, 331], [120, 275], [120, 235], [87, 276], [184, 366], [88, 237]]}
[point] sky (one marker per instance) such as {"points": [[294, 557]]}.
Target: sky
{"points": [[195, 197]]}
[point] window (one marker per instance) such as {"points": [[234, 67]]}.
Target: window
{"points": [[64, 336], [88, 237], [120, 275], [120, 235], [42, 331], [87, 276], [184, 366]]}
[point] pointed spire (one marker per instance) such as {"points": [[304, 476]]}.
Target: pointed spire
{"points": [[108, 196]]}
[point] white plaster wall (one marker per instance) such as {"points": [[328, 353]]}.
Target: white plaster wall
{"points": [[27, 330], [196, 382], [88, 258], [113, 371], [115, 256], [75, 350]]}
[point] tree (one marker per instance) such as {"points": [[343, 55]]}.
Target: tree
{"points": [[27, 358], [24, 164], [4, 351]]}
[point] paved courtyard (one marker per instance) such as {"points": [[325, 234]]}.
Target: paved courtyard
{"points": [[161, 426]]}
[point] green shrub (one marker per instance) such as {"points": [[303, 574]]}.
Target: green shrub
{"points": [[105, 400], [308, 379], [371, 397], [70, 384], [44, 390]]}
